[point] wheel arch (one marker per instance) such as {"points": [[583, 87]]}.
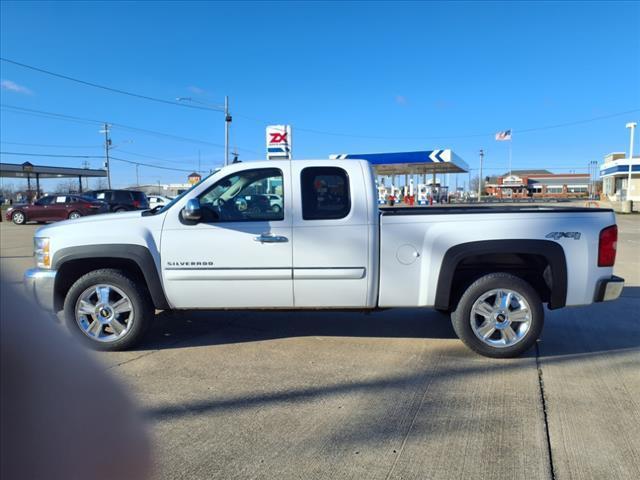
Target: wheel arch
{"points": [[541, 262], [73, 262], [22, 211]]}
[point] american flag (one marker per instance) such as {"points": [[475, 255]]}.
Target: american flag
{"points": [[503, 136]]}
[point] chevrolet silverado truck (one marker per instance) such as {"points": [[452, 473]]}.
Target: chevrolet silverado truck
{"points": [[329, 246]]}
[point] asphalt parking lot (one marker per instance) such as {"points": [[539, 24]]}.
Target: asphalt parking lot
{"points": [[385, 395]]}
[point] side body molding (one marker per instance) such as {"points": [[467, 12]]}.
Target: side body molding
{"points": [[136, 253], [551, 251]]}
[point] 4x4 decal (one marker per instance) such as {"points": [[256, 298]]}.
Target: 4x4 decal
{"points": [[559, 235]]}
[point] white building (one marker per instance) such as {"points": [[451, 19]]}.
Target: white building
{"points": [[615, 173]]}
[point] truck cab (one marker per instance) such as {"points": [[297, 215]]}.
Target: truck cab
{"points": [[316, 251]]}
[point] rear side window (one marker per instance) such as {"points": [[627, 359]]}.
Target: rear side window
{"points": [[121, 197], [325, 193], [139, 197]]}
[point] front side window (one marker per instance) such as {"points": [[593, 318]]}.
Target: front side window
{"points": [[325, 193], [244, 196]]}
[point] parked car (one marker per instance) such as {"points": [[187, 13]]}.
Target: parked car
{"points": [[253, 204], [53, 208], [331, 247], [158, 200], [121, 200], [275, 201]]}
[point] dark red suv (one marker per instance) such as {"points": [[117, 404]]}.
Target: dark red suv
{"points": [[53, 208]]}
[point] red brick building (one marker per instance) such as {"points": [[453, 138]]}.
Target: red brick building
{"points": [[539, 183]]}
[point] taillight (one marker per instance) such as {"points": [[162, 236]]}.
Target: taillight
{"points": [[136, 203], [607, 246]]}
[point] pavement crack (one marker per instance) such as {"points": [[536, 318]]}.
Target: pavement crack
{"points": [[544, 411], [413, 419]]}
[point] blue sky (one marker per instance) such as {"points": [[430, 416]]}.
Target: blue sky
{"points": [[402, 72]]}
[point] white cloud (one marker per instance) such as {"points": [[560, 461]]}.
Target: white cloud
{"points": [[14, 87], [401, 99], [196, 90]]}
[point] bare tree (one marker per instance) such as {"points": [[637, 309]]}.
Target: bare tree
{"points": [[473, 184], [100, 184], [68, 186]]}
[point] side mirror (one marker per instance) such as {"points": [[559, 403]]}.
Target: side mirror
{"points": [[192, 211]]}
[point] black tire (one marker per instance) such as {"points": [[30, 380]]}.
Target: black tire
{"points": [[74, 214], [18, 217], [120, 210], [276, 209], [143, 309], [461, 317]]}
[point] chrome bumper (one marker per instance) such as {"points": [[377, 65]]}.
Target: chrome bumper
{"points": [[609, 289], [39, 284]]}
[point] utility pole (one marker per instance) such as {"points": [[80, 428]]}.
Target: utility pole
{"points": [[137, 176], [632, 127], [86, 165], [480, 178], [227, 120], [107, 146], [227, 125]]}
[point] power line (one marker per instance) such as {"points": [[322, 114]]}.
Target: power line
{"points": [[151, 165], [310, 130], [91, 121], [104, 87], [49, 146], [444, 137], [53, 155]]}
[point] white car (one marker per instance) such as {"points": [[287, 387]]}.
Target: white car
{"points": [[329, 247], [275, 201], [158, 200]]}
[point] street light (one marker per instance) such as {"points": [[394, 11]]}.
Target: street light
{"points": [[631, 126], [227, 120]]}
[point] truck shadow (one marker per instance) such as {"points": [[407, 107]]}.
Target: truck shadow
{"points": [[595, 328], [598, 328], [189, 328]]}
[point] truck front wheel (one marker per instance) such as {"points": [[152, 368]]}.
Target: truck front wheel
{"points": [[499, 315], [107, 310]]}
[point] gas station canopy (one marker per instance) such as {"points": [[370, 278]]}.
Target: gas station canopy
{"points": [[26, 170], [411, 163]]}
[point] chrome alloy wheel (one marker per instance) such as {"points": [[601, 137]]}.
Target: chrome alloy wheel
{"points": [[18, 218], [104, 313], [74, 215], [500, 318]]}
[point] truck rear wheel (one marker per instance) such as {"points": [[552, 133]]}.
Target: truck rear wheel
{"points": [[107, 310], [499, 315]]}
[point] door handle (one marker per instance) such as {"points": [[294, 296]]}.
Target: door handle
{"points": [[269, 238]]}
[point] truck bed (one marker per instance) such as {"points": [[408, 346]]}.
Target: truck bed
{"points": [[468, 209]]}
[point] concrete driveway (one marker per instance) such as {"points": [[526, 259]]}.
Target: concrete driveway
{"points": [[384, 395]]}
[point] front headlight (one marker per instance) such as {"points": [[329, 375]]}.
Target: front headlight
{"points": [[41, 252]]}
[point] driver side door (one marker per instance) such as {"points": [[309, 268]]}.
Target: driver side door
{"points": [[240, 254]]}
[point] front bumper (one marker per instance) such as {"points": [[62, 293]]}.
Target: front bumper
{"points": [[609, 289], [39, 284]]}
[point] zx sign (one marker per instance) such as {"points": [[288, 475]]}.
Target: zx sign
{"points": [[278, 137]]}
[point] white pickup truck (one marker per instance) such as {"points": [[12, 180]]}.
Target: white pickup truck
{"points": [[222, 245]]}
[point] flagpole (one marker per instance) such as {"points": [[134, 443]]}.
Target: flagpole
{"points": [[510, 141]]}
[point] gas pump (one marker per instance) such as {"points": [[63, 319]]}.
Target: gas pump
{"points": [[382, 194], [423, 194]]}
